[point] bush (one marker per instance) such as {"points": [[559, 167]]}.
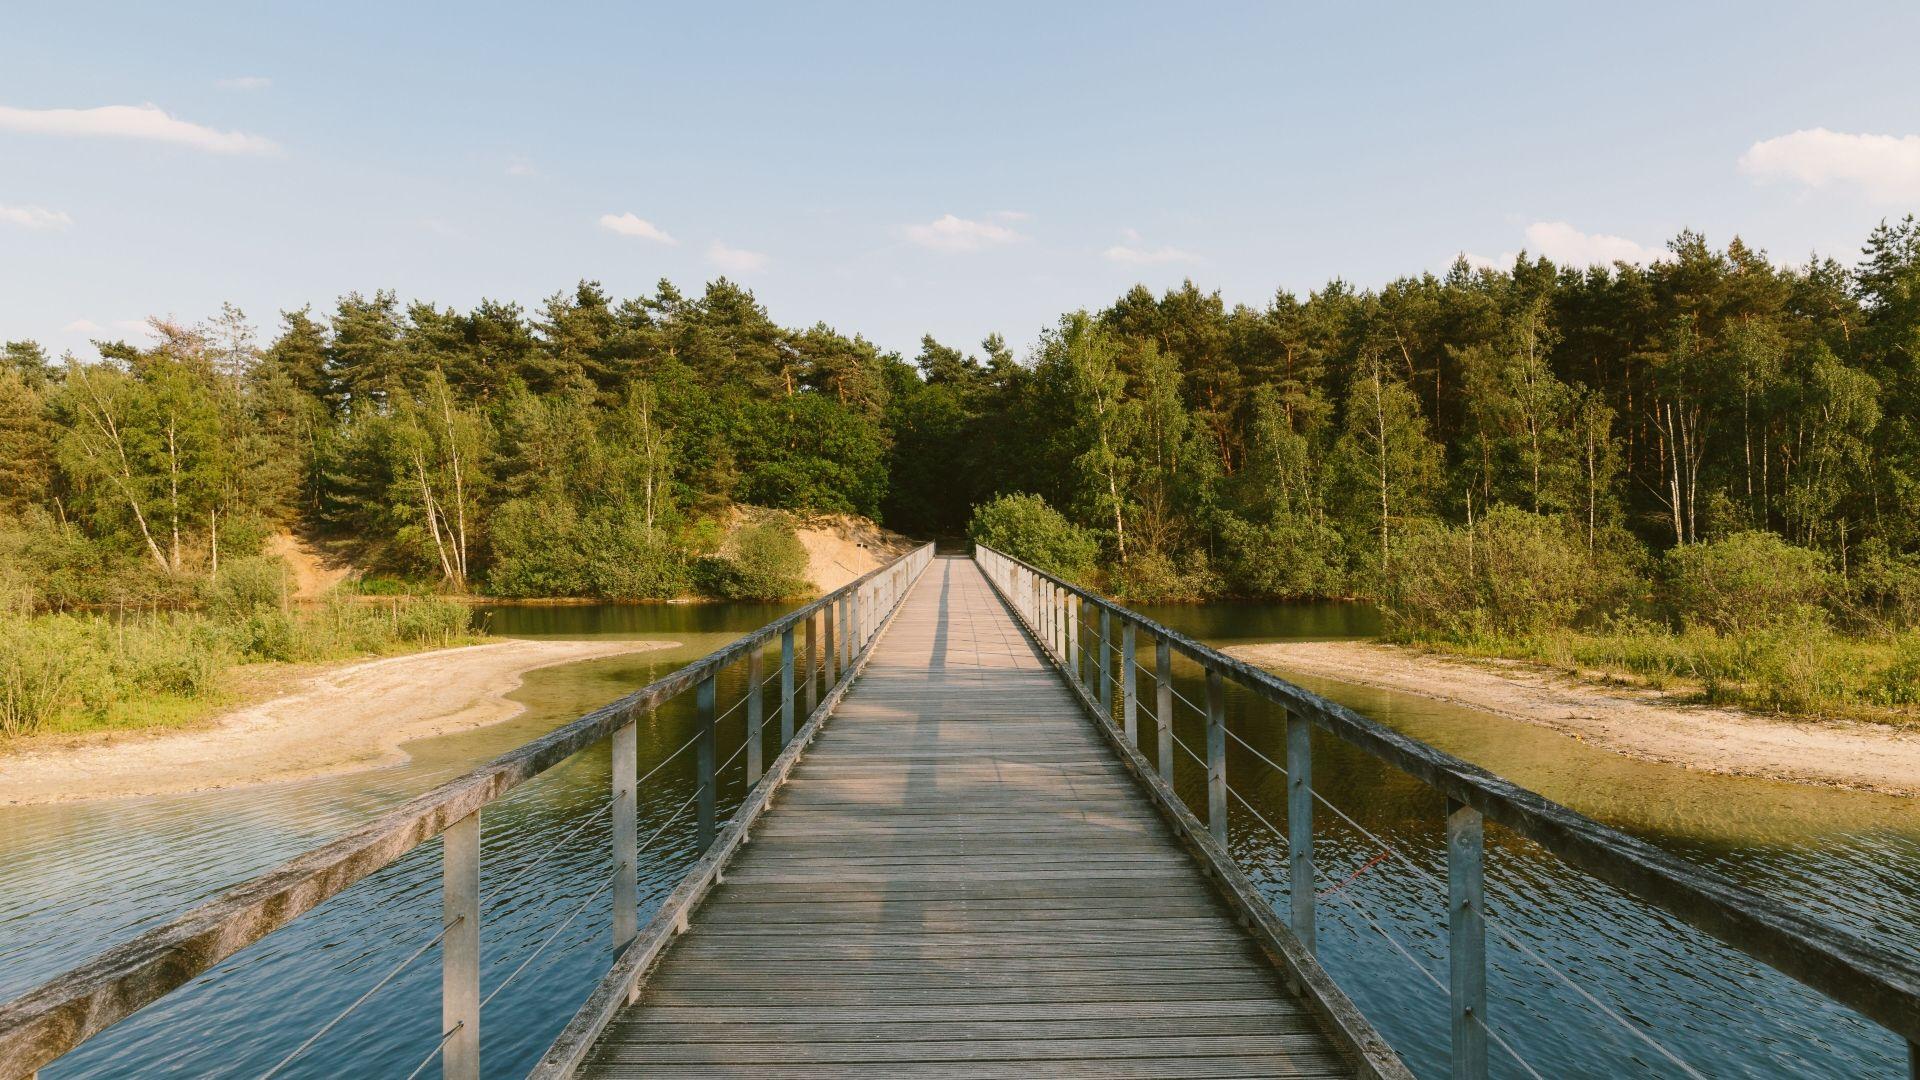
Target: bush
{"points": [[1511, 574], [764, 561], [1750, 580], [247, 587], [1883, 588], [37, 672], [1025, 527], [1291, 557], [1152, 577], [546, 548]]}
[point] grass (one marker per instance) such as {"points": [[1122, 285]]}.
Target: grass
{"points": [[66, 674], [1795, 670]]}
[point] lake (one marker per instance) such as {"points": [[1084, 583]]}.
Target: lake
{"points": [[75, 878]]}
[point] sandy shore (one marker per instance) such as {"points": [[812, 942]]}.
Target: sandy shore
{"points": [[348, 718], [1642, 724]]}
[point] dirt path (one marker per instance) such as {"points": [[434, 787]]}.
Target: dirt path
{"points": [[1642, 724], [349, 718]]}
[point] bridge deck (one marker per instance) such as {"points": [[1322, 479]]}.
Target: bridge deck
{"points": [[960, 880]]}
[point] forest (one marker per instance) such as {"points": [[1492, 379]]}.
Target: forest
{"points": [[1714, 441]]}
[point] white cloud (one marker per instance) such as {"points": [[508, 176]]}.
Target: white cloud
{"points": [[1135, 252], [629, 225], [1568, 246], [34, 217], [118, 327], [521, 167], [84, 326], [1011, 215], [1886, 167], [735, 260], [131, 122], [244, 82], [950, 233]]}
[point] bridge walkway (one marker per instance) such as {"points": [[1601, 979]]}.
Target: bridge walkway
{"points": [[959, 879]]}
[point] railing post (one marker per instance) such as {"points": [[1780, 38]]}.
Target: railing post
{"points": [[1300, 827], [1106, 663], [756, 713], [704, 760], [1466, 941], [1129, 685], [1072, 604], [830, 656], [1216, 757], [812, 661], [786, 687], [1163, 704], [626, 837], [460, 949]]}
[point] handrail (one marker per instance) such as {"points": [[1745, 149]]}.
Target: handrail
{"points": [[52, 1019], [1879, 983]]}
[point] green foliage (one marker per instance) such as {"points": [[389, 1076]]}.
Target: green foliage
{"points": [[1512, 573], [1748, 581], [1292, 556], [761, 561], [1151, 577], [545, 547], [1025, 527]]}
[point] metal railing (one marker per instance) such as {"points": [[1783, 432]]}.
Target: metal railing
{"points": [[1076, 628], [835, 634]]}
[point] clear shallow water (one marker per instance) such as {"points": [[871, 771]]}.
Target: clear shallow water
{"points": [[76, 878]]}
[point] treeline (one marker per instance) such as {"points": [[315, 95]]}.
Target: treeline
{"points": [[1312, 446], [592, 448]]}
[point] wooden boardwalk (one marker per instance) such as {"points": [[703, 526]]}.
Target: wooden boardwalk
{"points": [[961, 880]]}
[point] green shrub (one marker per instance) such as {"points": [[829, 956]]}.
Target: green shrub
{"points": [[1749, 580], [764, 561], [1291, 557], [1152, 577], [546, 548], [1511, 574], [37, 671], [1025, 527], [248, 586]]}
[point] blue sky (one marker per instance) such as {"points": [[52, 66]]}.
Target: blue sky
{"points": [[893, 169]]}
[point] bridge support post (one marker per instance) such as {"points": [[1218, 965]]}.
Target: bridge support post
{"points": [[1300, 827], [460, 949], [1163, 705], [1216, 757], [756, 714], [1466, 940], [1129, 685], [626, 838], [786, 687], [704, 757], [1106, 663], [813, 664]]}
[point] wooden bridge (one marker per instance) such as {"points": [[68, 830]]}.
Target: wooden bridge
{"points": [[966, 857]]}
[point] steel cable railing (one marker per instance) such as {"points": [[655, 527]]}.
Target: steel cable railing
{"points": [[36, 1028], [1878, 982]]}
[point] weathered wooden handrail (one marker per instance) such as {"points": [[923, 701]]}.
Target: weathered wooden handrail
{"points": [[52, 1019], [1879, 983]]}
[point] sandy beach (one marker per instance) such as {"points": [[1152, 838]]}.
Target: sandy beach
{"points": [[355, 716], [1640, 723]]}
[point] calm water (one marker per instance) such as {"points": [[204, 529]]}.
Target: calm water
{"points": [[75, 878]]}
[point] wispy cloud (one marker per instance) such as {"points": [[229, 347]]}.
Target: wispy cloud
{"points": [[735, 260], [34, 217], [1011, 215], [1885, 167], [244, 82], [956, 234], [148, 122], [521, 167], [1568, 246], [121, 327], [1134, 252], [628, 224]]}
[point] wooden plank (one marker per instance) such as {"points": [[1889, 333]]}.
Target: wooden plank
{"points": [[961, 880]]}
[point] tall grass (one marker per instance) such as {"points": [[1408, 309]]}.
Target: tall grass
{"points": [[76, 672]]}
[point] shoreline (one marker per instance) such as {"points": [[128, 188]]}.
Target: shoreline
{"points": [[1642, 724], [346, 718]]}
